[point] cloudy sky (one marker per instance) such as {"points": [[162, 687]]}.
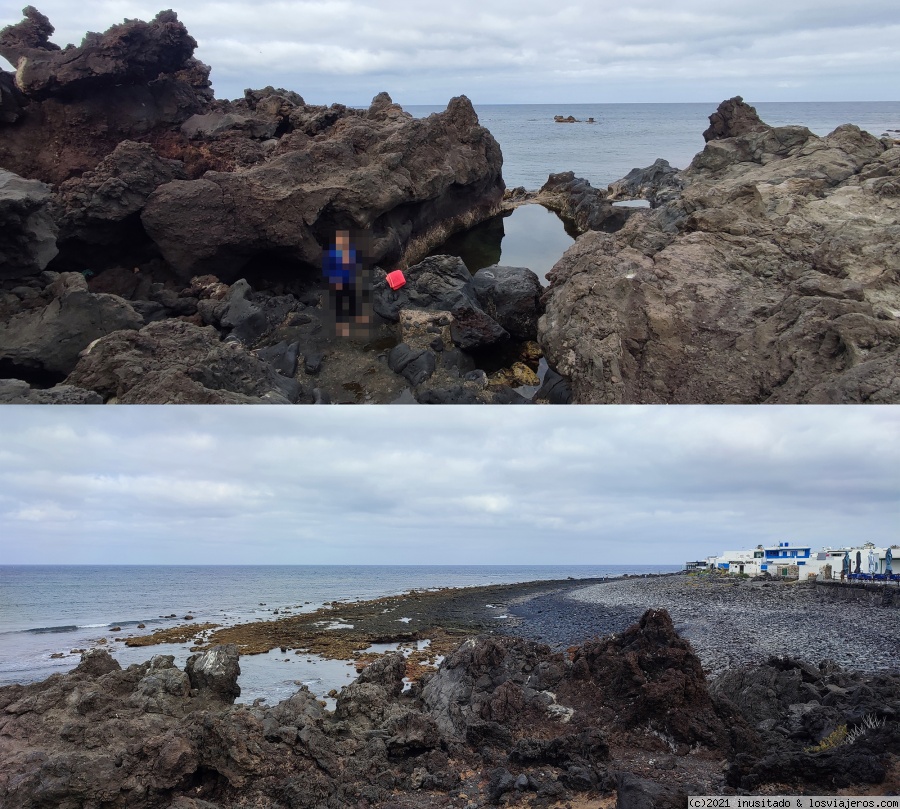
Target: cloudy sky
{"points": [[528, 51], [492, 485]]}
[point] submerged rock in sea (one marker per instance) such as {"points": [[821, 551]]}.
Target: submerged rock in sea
{"points": [[773, 276]]}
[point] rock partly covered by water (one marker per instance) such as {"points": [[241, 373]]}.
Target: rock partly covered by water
{"points": [[502, 721], [773, 275]]}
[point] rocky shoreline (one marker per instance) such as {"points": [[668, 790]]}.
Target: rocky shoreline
{"points": [[160, 245], [628, 720], [765, 272]]}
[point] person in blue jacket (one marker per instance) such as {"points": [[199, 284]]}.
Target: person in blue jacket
{"points": [[343, 265]]}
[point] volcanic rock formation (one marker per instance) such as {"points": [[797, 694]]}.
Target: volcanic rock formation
{"points": [[772, 276], [503, 720], [129, 120], [121, 167]]}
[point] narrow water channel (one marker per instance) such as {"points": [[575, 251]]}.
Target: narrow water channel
{"points": [[529, 236]]}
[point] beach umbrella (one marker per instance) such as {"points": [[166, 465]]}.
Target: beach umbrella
{"points": [[873, 562], [888, 556], [845, 565], [858, 561]]}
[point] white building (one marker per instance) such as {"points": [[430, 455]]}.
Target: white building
{"points": [[785, 560]]}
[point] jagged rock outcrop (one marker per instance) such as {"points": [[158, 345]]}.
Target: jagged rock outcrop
{"points": [[396, 176], [95, 207], [307, 169], [132, 52], [734, 118], [820, 726], [653, 678], [657, 183], [76, 104], [27, 229], [158, 182], [502, 721], [44, 342], [774, 276], [578, 201]]}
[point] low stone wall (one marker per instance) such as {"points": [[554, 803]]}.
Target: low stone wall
{"points": [[876, 593]]}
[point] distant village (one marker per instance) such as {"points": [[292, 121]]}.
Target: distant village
{"points": [[789, 561]]}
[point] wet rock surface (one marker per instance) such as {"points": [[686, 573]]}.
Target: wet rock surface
{"points": [[767, 272], [503, 720]]}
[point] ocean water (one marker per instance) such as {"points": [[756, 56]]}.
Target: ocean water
{"points": [[627, 136], [47, 610], [623, 137]]}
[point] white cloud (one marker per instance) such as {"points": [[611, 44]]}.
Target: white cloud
{"points": [[490, 503], [43, 512]]}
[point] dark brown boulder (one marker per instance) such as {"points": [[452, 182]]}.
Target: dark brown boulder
{"points": [[406, 181], [733, 118], [98, 207], [132, 52], [652, 677]]}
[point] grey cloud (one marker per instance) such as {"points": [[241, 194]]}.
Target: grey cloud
{"points": [[533, 51], [481, 485]]}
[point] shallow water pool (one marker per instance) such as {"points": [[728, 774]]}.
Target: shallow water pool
{"points": [[529, 236]]}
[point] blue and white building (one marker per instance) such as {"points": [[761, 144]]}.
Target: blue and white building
{"points": [[788, 560]]}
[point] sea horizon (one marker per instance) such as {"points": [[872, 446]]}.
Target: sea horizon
{"points": [[60, 609]]}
